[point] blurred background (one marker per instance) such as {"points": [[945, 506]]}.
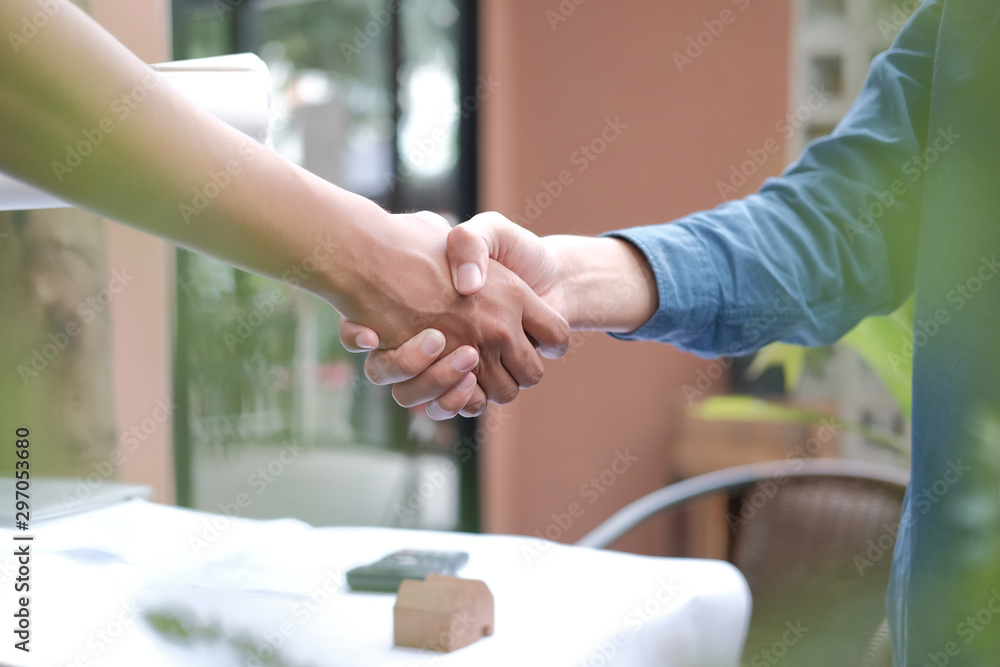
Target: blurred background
{"points": [[209, 384]]}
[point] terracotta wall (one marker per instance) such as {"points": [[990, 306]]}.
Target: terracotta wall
{"points": [[142, 314], [565, 70]]}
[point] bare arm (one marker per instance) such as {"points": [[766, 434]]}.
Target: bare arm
{"points": [[169, 168]]}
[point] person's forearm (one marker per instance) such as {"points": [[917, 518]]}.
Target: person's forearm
{"points": [[609, 285], [83, 118]]}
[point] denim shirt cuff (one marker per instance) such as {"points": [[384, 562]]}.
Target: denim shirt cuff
{"points": [[686, 283]]}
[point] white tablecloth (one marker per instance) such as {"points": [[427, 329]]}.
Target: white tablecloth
{"points": [[244, 592]]}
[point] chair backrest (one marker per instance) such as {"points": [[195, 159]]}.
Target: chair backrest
{"points": [[814, 541], [817, 558]]}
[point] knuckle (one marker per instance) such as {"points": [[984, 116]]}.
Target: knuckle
{"points": [[475, 407], [402, 368], [505, 394], [533, 374]]}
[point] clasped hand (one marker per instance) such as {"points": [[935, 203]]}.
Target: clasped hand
{"points": [[487, 342], [592, 283]]}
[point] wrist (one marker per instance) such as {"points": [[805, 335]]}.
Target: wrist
{"points": [[338, 266], [390, 273], [610, 285]]}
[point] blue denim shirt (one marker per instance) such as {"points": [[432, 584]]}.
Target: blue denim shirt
{"points": [[904, 195]]}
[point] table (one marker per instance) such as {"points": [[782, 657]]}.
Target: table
{"points": [[228, 591]]}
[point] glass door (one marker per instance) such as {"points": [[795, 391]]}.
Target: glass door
{"points": [[274, 417]]}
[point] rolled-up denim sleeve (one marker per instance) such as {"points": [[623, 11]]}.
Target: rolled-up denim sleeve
{"points": [[830, 241]]}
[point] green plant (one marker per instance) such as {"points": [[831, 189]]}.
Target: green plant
{"points": [[881, 342]]}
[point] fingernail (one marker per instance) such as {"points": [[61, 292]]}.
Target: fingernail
{"points": [[362, 342], [469, 277], [466, 359], [432, 344], [467, 383]]}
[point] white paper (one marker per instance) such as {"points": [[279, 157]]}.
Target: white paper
{"points": [[236, 89]]}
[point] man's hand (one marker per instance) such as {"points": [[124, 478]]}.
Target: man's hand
{"points": [[538, 261], [595, 283], [447, 386], [400, 289]]}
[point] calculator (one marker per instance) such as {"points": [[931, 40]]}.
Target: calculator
{"points": [[385, 575]]}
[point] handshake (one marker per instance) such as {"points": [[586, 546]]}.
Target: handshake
{"points": [[494, 299]]}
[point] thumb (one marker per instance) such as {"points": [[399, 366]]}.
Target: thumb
{"points": [[472, 244], [468, 255]]}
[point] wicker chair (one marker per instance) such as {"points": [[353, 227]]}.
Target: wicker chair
{"points": [[816, 553]]}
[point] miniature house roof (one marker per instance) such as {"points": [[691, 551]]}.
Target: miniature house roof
{"points": [[440, 593]]}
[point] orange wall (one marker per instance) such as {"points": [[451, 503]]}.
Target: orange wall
{"points": [[141, 316], [558, 83]]}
